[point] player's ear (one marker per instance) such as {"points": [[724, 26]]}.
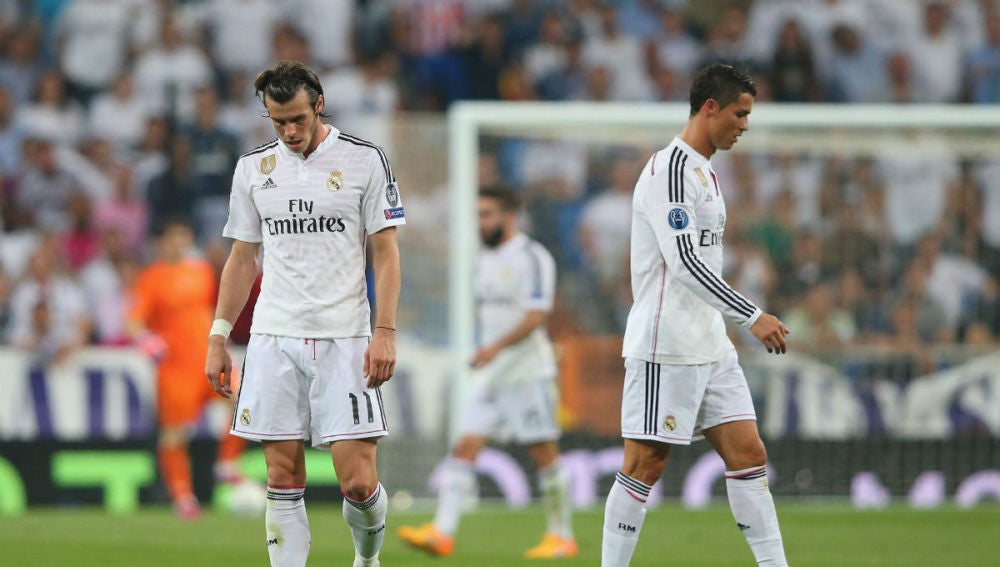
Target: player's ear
{"points": [[319, 104], [711, 107]]}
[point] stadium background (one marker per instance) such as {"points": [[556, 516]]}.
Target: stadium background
{"points": [[118, 114]]}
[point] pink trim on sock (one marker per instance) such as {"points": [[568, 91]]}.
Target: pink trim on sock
{"points": [[370, 494], [748, 472], [633, 495], [288, 487]]}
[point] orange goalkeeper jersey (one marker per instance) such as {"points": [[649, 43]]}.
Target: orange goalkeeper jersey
{"points": [[177, 302]]}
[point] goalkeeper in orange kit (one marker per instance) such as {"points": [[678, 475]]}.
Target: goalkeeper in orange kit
{"points": [[171, 312]]}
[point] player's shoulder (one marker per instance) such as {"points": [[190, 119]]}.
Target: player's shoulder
{"points": [[535, 250], [264, 155], [367, 148], [265, 147]]}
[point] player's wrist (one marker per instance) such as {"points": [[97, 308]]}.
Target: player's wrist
{"points": [[385, 328], [220, 328]]}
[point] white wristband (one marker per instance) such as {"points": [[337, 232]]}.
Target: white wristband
{"points": [[221, 327]]}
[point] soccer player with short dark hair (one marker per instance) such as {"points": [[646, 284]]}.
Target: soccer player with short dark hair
{"points": [[682, 377]]}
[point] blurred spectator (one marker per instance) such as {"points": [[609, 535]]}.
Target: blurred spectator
{"points": [[93, 42], [954, 281], [913, 312], [79, 243], [486, 54], [818, 322], [848, 246], [168, 74], [150, 159], [793, 76], [51, 114], [241, 112], [917, 179], [291, 45], [363, 98], [856, 70], [11, 136], [44, 190], [983, 66], [521, 22], [124, 214], [172, 194], [676, 48], [214, 152], [328, 27], [938, 77], [48, 312], [5, 305], [621, 56], [900, 78], [725, 40], [426, 31], [20, 65], [988, 176], [104, 281], [239, 30], [775, 233], [547, 56], [118, 114], [638, 18]]}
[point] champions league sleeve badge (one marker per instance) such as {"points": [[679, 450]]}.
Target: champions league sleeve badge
{"points": [[392, 194], [336, 181], [677, 219]]}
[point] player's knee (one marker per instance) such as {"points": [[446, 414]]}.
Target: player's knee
{"points": [[358, 488], [467, 448], [751, 455]]}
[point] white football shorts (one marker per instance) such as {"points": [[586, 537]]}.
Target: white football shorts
{"points": [[674, 403], [307, 389], [522, 412]]}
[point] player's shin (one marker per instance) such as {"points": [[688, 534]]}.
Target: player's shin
{"points": [[624, 514], [366, 518], [554, 485], [287, 526], [753, 508], [459, 481]]}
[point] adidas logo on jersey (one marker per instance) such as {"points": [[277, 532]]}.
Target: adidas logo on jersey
{"points": [[269, 184]]}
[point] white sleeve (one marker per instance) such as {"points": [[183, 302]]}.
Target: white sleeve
{"points": [[381, 203], [538, 286], [671, 212], [244, 219]]}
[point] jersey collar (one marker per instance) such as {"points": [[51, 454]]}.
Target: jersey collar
{"points": [[697, 160], [331, 137]]}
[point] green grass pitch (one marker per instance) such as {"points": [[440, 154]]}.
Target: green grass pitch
{"points": [[815, 536]]}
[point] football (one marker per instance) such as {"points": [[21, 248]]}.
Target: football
{"points": [[247, 498]]}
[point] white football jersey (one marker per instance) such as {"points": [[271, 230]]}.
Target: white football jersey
{"points": [[678, 217], [312, 217], [512, 279]]}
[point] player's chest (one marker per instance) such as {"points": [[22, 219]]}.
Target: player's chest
{"points": [[308, 190], [499, 279], [711, 208]]}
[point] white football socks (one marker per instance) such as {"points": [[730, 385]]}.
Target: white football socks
{"points": [[367, 522], [624, 514], [753, 508], [287, 527], [459, 481], [554, 486]]}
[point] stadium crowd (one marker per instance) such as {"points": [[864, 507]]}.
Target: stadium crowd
{"points": [[116, 115]]}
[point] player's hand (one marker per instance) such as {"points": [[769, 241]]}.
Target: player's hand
{"points": [[153, 346], [771, 331], [219, 366], [380, 357], [484, 355]]}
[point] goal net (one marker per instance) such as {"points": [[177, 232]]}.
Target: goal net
{"points": [[872, 231]]}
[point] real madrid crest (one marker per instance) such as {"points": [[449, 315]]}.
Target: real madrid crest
{"points": [[245, 417], [267, 164], [670, 424], [336, 181]]}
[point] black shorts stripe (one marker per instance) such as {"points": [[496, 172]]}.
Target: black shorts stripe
{"points": [[709, 280], [656, 399], [645, 412], [262, 148], [236, 406], [365, 143], [381, 407]]}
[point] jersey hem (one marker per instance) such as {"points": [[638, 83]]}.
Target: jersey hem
{"points": [[671, 360], [243, 236]]}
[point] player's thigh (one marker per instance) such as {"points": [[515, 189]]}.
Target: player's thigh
{"points": [[530, 409], [661, 402], [286, 463], [480, 410], [273, 399], [354, 461], [341, 404], [727, 398]]}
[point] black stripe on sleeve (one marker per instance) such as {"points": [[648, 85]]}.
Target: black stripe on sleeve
{"points": [[385, 161], [671, 177], [733, 293], [262, 148], [680, 177], [709, 280], [536, 272]]}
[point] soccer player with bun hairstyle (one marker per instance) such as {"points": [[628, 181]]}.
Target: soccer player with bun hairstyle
{"points": [[513, 387], [311, 201], [683, 381]]}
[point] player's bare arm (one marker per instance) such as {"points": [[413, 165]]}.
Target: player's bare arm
{"points": [[770, 331], [531, 321], [234, 288], [380, 358]]}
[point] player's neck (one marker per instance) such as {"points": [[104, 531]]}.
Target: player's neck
{"points": [[696, 136], [321, 133]]}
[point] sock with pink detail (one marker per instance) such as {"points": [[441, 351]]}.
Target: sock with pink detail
{"points": [[624, 514]]}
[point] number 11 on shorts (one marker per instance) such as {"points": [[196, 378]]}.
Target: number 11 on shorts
{"points": [[368, 405]]}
